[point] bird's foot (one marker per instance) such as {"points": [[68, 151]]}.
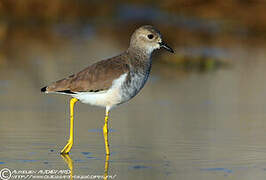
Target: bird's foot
{"points": [[68, 147]]}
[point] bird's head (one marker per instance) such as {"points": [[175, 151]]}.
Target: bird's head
{"points": [[148, 39]]}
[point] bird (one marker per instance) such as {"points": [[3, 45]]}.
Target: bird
{"points": [[113, 81]]}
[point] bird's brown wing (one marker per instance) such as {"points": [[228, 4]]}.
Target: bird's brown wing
{"points": [[97, 77]]}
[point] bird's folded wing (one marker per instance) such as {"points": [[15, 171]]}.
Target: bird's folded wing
{"points": [[97, 77]]}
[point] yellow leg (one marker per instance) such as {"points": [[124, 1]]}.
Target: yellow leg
{"points": [[105, 132], [68, 147]]}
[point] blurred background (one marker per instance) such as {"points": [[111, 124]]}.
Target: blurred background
{"points": [[201, 115]]}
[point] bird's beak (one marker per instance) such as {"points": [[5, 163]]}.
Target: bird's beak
{"points": [[165, 46]]}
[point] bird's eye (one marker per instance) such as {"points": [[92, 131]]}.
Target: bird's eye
{"points": [[150, 36]]}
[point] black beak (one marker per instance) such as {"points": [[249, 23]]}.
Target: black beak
{"points": [[165, 46]]}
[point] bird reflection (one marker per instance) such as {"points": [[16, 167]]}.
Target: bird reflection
{"points": [[70, 165], [106, 167]]}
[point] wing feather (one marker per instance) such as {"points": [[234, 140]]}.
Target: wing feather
{"points": [[95, 78]]}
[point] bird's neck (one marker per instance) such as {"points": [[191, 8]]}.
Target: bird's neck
{"points": [[139, 54], [140, 60]]}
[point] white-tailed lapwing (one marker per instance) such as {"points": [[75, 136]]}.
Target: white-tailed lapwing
{"points": [[113, 81]]}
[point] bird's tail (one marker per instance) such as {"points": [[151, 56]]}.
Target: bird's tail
{"points": [[44, 89]]}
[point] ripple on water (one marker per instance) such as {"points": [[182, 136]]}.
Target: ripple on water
{"points": [[217, 169], [85, 153], [139, 167]]}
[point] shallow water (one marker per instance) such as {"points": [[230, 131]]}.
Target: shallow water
{"points": [[183, 125]]}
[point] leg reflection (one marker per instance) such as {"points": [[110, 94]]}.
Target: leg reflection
{"points": [[70, 165], [106, 167], [69, 162]]}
